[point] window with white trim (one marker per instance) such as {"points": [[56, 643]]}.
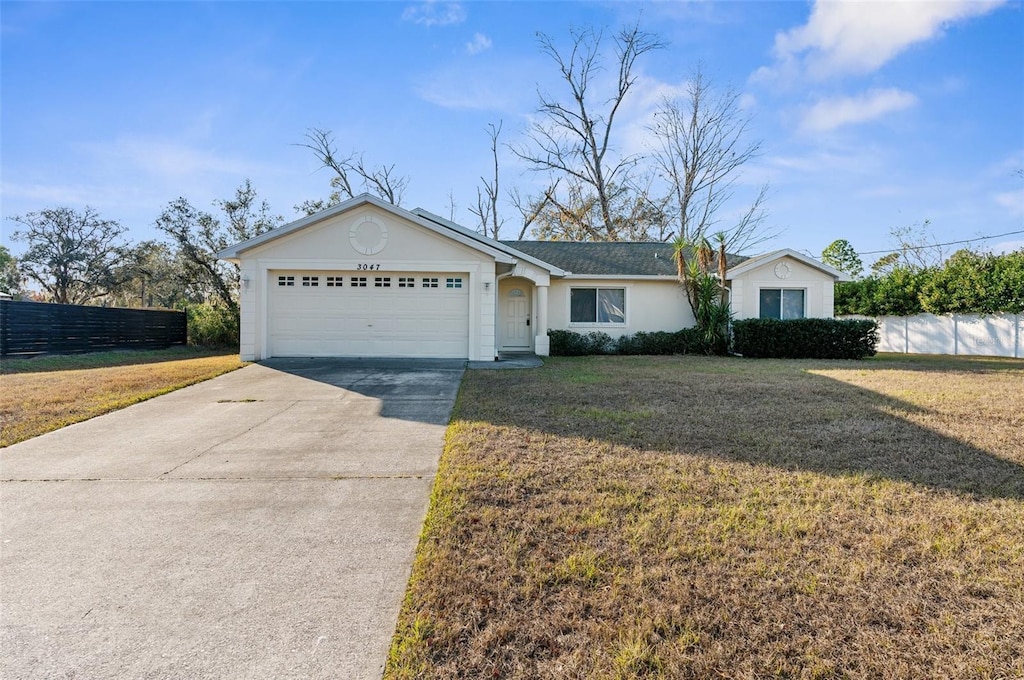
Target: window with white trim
{"points": [[313, 281], [335, 281], [429, 283], [455, 282], [782, 303], [597, 305], [286, 280], [406, 282], [382, 282], [358, 282]]}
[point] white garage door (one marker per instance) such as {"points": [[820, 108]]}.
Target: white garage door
{"points": [[378, 314]]}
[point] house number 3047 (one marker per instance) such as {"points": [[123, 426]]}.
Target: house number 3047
{"points": [[368, 267]]}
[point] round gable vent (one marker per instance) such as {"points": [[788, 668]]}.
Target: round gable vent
{"points": [[368, 235]]}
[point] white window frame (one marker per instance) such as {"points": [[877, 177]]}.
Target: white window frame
{"points": [[782, 303], [598, 324]]}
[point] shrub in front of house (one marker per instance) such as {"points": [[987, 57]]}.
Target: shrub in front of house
{"points": [[572, 344], [805, 338]]}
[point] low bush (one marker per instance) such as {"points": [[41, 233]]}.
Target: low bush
{"points": [[571, 344], [805, 338], [212, 325]]}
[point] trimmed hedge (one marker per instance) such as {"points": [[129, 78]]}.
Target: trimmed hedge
{"points": [[572, 344], [805, 338]]}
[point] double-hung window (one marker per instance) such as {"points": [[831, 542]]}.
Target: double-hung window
{"points": [[782, 303], [597, 305]]}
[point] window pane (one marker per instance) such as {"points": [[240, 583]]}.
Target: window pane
{"points": [[611, 307], [792, 304], [583, 305], [771, 303]]}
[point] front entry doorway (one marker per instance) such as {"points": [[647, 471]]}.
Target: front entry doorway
{"points": [[514, 317]]}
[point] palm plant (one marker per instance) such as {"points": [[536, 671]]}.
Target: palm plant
{"points": [[705, 292]]}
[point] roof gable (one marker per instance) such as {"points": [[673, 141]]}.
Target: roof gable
{"points": [[767, 258], [235, 252]]}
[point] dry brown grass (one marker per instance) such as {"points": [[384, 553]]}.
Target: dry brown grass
{"points": [[695, 517], [46, 393]]}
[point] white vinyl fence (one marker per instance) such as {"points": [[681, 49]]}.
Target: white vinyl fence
{"points": [[998, 335]]}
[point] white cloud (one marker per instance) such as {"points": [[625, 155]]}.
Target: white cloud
{"points": [[1004, 247], [433, 13], [829, 114], [857, 37], [1012, 202], [478, 44]]}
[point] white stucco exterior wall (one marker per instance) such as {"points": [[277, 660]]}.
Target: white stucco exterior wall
{"points": [[327, 246], [651, 305], [792, 274]]}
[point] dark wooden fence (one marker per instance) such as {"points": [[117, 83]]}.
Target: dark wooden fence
{"points": [[29, 328]]}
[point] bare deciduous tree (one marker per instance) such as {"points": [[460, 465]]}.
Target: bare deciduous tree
{"points": [[486, 209], [701, 148], [381, 180], [530, 208], [574, 138]]}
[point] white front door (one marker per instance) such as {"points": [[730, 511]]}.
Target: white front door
{"points": [[515, 319]]}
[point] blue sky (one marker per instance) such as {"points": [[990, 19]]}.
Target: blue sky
{"points": [[873, 115]]}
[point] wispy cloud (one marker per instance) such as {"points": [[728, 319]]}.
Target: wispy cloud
{"points": [[481, 85], [852, 37], [1012, 202], [829, 114], [168, 158], [434, 13], [478, 44]]}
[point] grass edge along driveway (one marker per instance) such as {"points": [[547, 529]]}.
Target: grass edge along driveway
{"points": [[43, 394], [693, 517]]}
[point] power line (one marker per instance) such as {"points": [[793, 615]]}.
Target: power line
{"points": [[939, 245]]}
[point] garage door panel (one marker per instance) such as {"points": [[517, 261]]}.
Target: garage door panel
{"points": [[375, 320]]}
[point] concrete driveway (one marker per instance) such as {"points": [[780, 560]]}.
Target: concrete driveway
{"points": [[258, 525]]}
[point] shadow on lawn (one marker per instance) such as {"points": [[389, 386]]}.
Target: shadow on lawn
{"points": [[764, 413]]}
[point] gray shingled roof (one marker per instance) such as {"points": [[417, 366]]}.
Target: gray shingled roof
{"points": [[609, 258]]}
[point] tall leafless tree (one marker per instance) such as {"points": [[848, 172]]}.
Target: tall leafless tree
{"points": [[349, 172], [486, 209], [574, 137], [700, 150]]}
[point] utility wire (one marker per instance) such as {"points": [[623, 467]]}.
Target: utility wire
{"points": [[939, 245]]}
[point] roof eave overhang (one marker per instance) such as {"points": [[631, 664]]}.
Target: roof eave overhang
{"points": [[235, 252], [760, 260], [491, 243]]}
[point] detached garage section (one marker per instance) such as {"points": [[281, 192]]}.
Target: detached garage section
{"points": [[367, 279]]}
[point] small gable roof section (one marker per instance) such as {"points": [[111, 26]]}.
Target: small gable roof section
{"points": [[609, 258], [235, 253], [767, 258]]}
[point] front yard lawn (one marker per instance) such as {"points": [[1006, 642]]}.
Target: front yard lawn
{"points": [[696, 517], [46, 393]]}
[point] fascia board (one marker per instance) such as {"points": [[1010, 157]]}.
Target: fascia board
{"points": [[232, 253]]}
